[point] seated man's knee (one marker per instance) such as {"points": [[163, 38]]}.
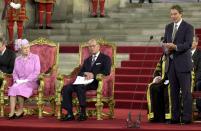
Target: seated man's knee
{"points": [[67, 89]]}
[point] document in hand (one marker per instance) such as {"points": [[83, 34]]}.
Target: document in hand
{"points": [[81, 80]]}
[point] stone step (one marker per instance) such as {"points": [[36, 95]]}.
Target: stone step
{"points": [[150, 14], [97, 32], [165, 5]]}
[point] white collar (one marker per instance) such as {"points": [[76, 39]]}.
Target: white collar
{"points": [[178, 23], [97, 54], [193, 51], [3, 51]]}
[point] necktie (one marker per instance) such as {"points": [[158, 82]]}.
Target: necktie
{"points": [[174, 32], [93, 60]]}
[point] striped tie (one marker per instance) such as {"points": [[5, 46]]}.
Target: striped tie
{"points": [[93, 60], [174, 32]]}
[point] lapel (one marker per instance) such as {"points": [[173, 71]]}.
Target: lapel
{"points": [[171, 29], [181, 27]]}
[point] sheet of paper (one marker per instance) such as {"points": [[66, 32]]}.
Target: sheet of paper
{"points": [[81, 80]]}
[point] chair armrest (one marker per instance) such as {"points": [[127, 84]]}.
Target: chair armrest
{"points": [[105, 81], [75, 71], [4, 76]]}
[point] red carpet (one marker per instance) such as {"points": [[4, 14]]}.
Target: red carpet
{"points": [[133, 76], [32, 123]]}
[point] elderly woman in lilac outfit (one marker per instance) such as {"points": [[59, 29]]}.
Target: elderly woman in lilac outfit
{"points": [[25, 74]]}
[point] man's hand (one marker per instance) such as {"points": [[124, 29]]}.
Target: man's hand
{"points": [[88, 75], [157, 79], [170, 46]]}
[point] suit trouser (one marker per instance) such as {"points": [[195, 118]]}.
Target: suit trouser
{"points": [[180, 81], [198, 101], [81, 94]]}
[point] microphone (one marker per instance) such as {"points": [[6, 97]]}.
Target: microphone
{"points": [[165, 50], [151, 37], [162, 38]]}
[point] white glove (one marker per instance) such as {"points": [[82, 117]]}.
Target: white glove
{"points": [[157, 79], [166, 82], [12, 4], [21, 81], [15, 6]]}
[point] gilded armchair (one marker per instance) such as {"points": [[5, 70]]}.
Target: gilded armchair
{"points": [[48, 53], [105, 90]]}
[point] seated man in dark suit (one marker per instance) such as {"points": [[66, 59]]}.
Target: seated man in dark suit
{"points": [[196, 56], [158, 94], [95, 64], [7, 59]]}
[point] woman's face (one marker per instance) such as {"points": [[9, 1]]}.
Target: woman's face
{"points": [[25, 49]]}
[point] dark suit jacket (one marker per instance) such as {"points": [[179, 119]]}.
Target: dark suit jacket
{"points": [[7, 61], [183, 39], [102, 65], [197, 64]]}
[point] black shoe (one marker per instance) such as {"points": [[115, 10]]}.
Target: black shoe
{"points": [[172, 121], [68, 117], [102, 15], [12, 117], [19, 116], [48, 27], [186, 122], [94, 16], [82, 117]]}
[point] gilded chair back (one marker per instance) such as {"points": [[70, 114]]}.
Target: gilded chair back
{"points": [[48, 52]]}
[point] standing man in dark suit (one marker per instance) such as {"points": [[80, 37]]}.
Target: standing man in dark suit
{"points": [[196, 56], [178, 39], [7, 58], [95, 64]]}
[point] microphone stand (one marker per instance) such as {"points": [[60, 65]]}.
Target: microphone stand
{"points": [[129, 122]]}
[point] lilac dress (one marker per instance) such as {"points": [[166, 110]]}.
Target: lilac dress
{"points": [[25, 68]]}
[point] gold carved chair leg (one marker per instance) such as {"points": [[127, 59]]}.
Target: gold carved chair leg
{"points": [[58, 99], [99, 108], [40, 99], [2, 100], [111, 105], [53, 105]]}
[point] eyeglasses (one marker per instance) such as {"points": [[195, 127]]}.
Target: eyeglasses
{"points": [[92, 45]]}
